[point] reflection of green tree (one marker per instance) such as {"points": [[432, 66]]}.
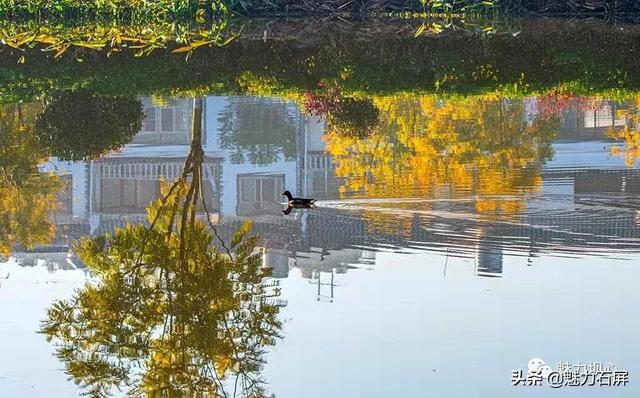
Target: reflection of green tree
{"points": [[258, 131], [79, 124], [27, 197], [171, 315]]}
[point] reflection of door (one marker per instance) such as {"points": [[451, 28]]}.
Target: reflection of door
{"points": [[259, 194]]}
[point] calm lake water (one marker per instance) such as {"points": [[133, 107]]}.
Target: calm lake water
{"points": [[454, 238]]}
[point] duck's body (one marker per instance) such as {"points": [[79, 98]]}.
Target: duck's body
{"points": [[298, 201]]}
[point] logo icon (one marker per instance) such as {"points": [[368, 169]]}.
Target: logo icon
{"points": [[537, 366]]}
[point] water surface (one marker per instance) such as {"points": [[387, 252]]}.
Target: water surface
{"points": [[454, 238]]}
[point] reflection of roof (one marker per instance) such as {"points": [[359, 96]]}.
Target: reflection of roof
{"points": [[60, 259], [317, 259], [109, 222], [65, 234]]}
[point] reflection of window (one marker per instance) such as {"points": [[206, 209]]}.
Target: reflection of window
{"points": [[263, 116], [258, 130], [166, 124], [256, 189], [127, 195], [149, 120], [173, 119], [259, 194], [65, 196], [322, 183], [604, 116], [319, 181], [128, 185]]}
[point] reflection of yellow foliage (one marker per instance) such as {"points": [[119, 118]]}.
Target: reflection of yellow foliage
{"points": [[27, 197], [474, 146], [169, 315], [629, 135], [386, 223], [25, 212], [631, 141], [256, 85]]}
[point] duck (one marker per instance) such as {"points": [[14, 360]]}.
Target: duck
{"points": [[298, 201]]}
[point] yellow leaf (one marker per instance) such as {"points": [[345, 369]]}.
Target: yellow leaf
{"points": [[183, 49]]}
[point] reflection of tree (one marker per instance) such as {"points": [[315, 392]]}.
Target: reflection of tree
{"points": [[171, 315], [258, 131], [354, 118], [472, 146], [27, 197], [79, 124], [346, 116]]}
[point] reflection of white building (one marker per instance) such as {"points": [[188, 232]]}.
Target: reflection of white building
{"points": [[124, 183], [250, 189], [254, 149], [319, 174], [590, 123], [166, 123], [71, 218], [292, 146], [580, 151], [581, 119]]}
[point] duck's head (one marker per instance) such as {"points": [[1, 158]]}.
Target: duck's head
{"points": [[287, 194]]}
